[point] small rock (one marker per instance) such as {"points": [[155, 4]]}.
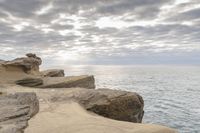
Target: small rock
{"points": [[31, 55]]}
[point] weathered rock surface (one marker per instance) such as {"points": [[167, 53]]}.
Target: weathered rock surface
{"points": [[30, 82], [84, 81], [16, 110], [53, 73], [57, 112], [114, 104], [29, 64]]}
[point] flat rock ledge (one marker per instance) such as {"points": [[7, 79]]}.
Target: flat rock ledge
{"points": [[16, 109], [84, 81]]}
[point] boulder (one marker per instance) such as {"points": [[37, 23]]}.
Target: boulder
{"points": [[114, 104], [53, 73], [16, 109], [30, 82], [84, 81], [29, 64]]}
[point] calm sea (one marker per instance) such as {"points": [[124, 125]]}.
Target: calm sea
{"points": [[171, 93]]}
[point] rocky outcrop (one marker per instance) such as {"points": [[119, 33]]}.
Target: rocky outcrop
{"points": [[84, 81], [30, 82], [53, 73], [16, 110], [29, 64], [114, 104]]}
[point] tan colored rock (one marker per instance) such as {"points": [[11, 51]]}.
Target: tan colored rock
{"points": [[60, 111], [84, 81], [29, 64], [16, 109], [53, 73]]}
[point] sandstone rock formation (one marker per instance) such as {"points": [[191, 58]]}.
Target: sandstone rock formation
{"points": [[25, 71], [29, 64], [53, 73], [16, 110], [60, 111], [84, 81]]}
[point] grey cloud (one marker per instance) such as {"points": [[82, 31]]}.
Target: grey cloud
{"points": [[141, 8], [106, 43], [22, 8], [61, 27], [186, 16]]}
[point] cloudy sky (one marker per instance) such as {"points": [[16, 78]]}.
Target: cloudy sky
{"points": [[102, 31]]}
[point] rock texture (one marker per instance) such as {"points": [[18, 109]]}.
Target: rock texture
{"points": [[30, 82], [16, 110], [84, 81], [29, 64], [114, 104], [53, 73]]}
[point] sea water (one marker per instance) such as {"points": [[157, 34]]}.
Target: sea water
{"points": [[171, 93]]}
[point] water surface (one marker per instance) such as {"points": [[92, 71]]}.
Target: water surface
{"points": [[171, 93]]}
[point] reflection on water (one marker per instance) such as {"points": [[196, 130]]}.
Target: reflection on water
{"points": [[171, 94]]}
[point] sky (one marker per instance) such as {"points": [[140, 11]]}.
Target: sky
{"points": [[101, 32]]}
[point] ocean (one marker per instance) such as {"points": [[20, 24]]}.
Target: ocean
{"points": [[171, 93]]}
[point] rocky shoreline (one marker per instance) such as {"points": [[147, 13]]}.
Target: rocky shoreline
{"points": [[24, 89]]}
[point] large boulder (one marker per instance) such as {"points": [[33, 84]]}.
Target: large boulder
{"points": [[84, 81], [114, 104], [53, 73], [29, 64], [16, 109], [30, 82]]}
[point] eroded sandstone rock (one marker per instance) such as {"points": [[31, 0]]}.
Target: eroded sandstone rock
{"points": [[16, 109], [29, 64], [53, 73]]}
